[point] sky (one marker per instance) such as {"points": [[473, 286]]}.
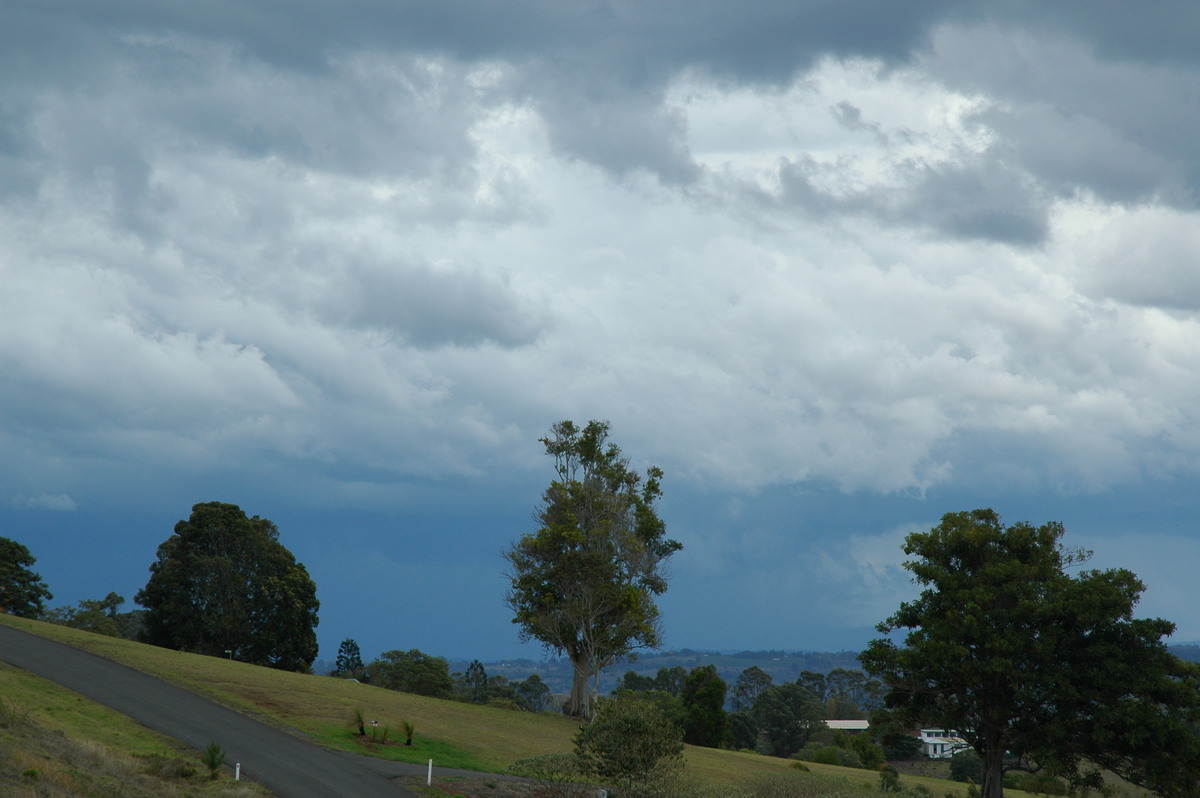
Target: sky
{"points": [[838, 268]]}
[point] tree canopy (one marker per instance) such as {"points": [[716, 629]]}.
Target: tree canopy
{"points": [[1037, 669], [22, 592], [349, 664], [224, 585], [705, 721], [412, 671], [585, 583]]}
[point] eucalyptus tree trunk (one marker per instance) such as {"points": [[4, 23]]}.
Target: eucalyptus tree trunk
{"points": [[579, 703]]}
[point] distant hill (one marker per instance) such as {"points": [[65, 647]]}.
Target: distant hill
{"points": [[783, 666], [1186, 651]]}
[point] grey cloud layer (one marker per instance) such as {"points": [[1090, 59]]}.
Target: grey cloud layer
{"points": [[304, 227]]}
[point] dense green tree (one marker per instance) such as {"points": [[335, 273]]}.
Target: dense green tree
{"points": [[670, 680], [634, 683], [92, 615], [814, 683], [412, 671], [585, 583], [743, 730], [224, 585], [475, 683], [1036, 668], [850, 693], [349, 664], [966, 766], [631, 745], [533, 693], [22, 592], [749, 685], [705, 722], [787, 716]]}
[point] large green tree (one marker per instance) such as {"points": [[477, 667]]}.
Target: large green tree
{"points": [[349, 664], [1036, 668], [785, 717], [22, 592], [412, 671], [93, 615], [585, 583], [224, 585], [749, 686], [704, 719]]}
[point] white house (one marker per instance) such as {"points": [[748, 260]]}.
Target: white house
{"points": [[940, 744], [848, 726]]}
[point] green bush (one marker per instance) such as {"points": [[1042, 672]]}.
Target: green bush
{"points": [[966, 766], [553, 775], [632, 746], [213, 758], [1041, 784], [889, 779], [831, 755]]}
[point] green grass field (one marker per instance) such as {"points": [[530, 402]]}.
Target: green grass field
{"points": [[453, 734]]}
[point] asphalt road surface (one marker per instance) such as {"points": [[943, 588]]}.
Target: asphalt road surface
{"points": [[287, 765]]}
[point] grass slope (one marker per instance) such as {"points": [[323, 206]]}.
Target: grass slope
{"points": [[453, 734], [55, 743]]}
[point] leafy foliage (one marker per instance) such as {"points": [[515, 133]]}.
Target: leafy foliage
{"points": [[749, 686], [412, 671], [533, 693], [554, 775], [705, 722], [213, 758], [22, 592], [966, 766], [584, 584], [349, 664], [99, 616], [224, 585], [1034, 667], [630, 745], [786, 716]]}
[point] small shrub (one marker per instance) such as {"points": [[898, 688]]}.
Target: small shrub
{"points": [[161, 766], [360, 721], [889, 779], [1041, 784], [409, 728], [631, 745], [554, 775], [966, 766], [213, 758], [12, 715]]}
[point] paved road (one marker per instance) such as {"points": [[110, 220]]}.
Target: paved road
{"points": [[287, 765]]}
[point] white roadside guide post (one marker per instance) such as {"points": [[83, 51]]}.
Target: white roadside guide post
{"points": [[429, 775], [237, 772]]}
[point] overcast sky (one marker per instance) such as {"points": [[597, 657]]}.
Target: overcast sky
{"points": [[837, 268]]}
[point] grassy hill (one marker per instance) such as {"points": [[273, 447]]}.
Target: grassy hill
{"points": [[47, 734]]}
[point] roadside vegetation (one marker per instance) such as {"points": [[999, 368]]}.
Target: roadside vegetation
{"points": [[55, 744], [455, 734]]}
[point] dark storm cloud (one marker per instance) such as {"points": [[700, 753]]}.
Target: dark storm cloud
{"points": [[1123, 127], [639, 41]]}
